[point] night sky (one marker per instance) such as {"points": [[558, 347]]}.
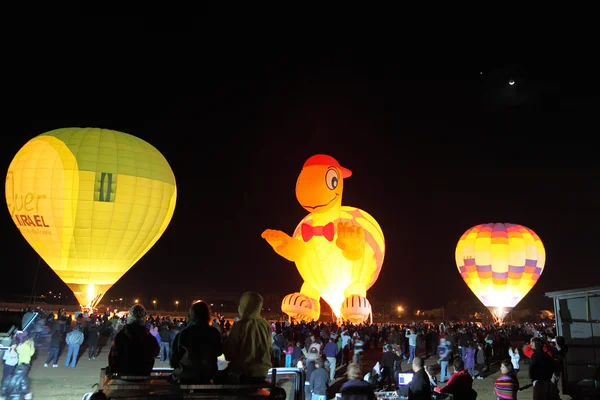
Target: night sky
{"points": [[432, 153]]}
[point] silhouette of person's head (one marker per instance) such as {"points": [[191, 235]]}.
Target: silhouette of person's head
{"points": [[200, 312], [137, 315]]}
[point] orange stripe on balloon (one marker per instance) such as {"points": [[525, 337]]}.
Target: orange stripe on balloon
{"points": [[485, 275], [529, 270]]}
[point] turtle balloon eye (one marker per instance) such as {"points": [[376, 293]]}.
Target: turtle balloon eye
{"points": [[332, 179]]}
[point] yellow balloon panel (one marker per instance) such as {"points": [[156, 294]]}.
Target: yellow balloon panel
{"points": [[500, 263], [91, 202]]}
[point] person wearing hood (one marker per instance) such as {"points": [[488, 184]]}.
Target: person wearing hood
{"points": [[248, 346], [196, 348], [134, 349]]}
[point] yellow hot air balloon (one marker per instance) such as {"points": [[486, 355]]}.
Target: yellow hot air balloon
{"points": [[500, 263], [91, 202]]}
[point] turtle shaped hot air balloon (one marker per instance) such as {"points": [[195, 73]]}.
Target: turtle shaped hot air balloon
{"points": [[338, 250]]}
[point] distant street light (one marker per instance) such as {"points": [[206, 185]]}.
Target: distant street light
{"points": [[176, 305], [136, 301], [154, 303]]}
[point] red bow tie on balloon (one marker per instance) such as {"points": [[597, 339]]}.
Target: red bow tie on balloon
{"points": [[327, 231]]}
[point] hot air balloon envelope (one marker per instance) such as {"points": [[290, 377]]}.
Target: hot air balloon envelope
{"points": [[338, 250], [91, 202], [500, 263]]}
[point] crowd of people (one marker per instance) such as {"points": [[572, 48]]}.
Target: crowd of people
{"points": [[470, 349], [138, 340], [250, 345]]}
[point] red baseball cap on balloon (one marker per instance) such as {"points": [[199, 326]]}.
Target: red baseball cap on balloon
{"points": [[325, 160]]}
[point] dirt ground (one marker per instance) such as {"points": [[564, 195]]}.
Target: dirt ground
{"points": [[65, 383], [71, 384]]}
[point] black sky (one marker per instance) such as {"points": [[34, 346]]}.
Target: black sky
{"points": [[434, 151]]}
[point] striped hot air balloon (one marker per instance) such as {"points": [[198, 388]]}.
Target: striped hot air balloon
{"points": [[500, 263]]}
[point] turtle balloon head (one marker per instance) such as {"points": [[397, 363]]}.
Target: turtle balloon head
{"points": [[321, 183]]}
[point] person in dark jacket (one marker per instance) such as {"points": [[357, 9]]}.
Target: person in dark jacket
{"points": [[54, 348], [134, 349], [355, 387], [464, 342], [310, 367], [196, 348], [319, 380], [16, 387], [541, 365], [420, 387], [164, 332], [541, 371], [92, 342], [430, 370], [389, 365], [296, 354]]}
